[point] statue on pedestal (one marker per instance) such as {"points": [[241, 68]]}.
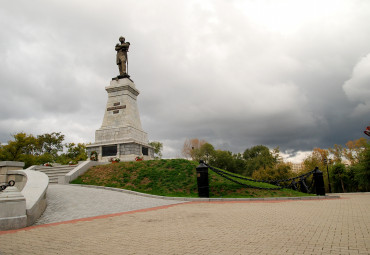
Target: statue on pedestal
{"points": [[121, 58], [121, 134]]}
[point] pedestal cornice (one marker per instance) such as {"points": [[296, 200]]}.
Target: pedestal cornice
{"points": [[115, 88]]}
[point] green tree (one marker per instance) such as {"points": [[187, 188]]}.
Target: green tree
{"points": [[207, 152], [343, 179], [277, 172], [224, 160], [204, 152], [158, 146], [41, 149], [339, 177], [75, 153], [239, 164], [352, 183], [50, 143], [362, 169], [22, 144], [258, 157]]}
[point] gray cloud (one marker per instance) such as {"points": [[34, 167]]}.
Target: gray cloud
{"points": [[236, 73], [357, 88]]}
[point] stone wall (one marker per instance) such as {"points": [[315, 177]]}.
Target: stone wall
{"points": [[91, 149], [151, 153], [23, 204], [5, 166], [130, 148], [20, 180], [120, 134], [34, 192], [127, 151], [12, 209]]}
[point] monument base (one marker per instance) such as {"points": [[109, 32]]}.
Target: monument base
{"points": [[125, 151]]}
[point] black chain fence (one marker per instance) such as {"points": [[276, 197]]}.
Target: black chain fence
{"points": [[295, 183]]}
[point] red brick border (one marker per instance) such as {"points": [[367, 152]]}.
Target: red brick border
{"points": [[154, 209]]}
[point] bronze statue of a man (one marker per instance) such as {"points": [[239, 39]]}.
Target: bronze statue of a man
{"points": [[121, 58]]}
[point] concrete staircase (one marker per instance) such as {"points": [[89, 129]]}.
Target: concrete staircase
{"points": [[55, 171]]}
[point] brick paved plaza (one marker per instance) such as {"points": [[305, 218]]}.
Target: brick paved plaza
{"points": [[330, 226]]}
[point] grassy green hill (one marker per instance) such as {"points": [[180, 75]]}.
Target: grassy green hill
{"points": [[171, 177]]}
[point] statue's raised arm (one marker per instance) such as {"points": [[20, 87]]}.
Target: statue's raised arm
{"points": [[121, 58]]}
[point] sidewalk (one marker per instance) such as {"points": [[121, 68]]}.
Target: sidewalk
{"points": [[330, 226], [69, 202]]}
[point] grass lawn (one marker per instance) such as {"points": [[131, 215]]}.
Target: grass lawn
{"points": [[172, 177]]}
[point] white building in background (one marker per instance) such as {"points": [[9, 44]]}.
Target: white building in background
{"points": [[296, 167]]}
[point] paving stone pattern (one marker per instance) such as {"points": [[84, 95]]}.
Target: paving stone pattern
{"points": [[330, 226], [68, 202]]}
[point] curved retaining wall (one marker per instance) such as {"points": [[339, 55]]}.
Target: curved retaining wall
{"points": [[34, 194]]}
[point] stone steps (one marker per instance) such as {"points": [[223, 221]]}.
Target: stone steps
{"points": [[55, 171]]}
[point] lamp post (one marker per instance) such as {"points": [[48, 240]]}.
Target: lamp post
{"points": [[327, 162]]}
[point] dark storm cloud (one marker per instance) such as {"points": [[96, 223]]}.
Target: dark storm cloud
{"points": [[236, 73]]}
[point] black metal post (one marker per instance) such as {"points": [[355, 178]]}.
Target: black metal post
{"points": [[302, 185], [328, 161], [318, 178], [202, 179]]}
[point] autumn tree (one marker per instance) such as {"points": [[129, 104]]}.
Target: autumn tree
{"points": [[338, 153], [191, 146], [316, 159], [354, 149]]}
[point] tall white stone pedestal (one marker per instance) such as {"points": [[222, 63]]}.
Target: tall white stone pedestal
{"points": [[121, 135]]}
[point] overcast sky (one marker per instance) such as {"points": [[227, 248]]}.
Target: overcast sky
{"points": [[294, 74]]}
